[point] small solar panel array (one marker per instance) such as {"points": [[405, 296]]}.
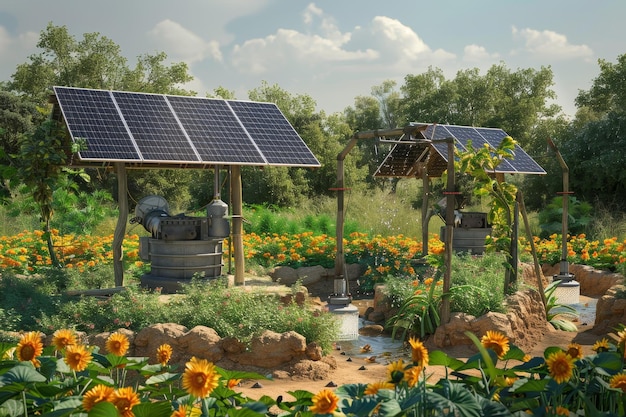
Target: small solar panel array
{"points": [[401, 161], [165, 129]]}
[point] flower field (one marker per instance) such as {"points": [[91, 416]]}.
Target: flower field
{"points": [[69, 378], [389, 255]]}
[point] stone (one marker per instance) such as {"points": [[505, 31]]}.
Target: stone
{"points": [[313, 351], [202, 342], [150, 338], [285, 275], [315, 370], [271, 349], [371, 330]]}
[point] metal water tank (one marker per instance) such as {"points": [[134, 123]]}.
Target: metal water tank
{"points": [[217, 212]]}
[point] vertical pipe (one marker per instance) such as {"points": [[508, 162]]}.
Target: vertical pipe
{"points": [[339, 256], [425, 214], [237, 235]]}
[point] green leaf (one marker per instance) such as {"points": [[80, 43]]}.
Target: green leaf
{"points": [[103, 409], [21, 374], [152, 409], [438, 357]]}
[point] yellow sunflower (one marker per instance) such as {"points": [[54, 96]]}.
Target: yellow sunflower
{"points": [[373, 387], [200, 377], [560, 366], [395, 371], [559, 411], [164, 354], [495, 341], [29, 347], [419, 353], [185, 410], [412, 375], [601, 346], [77, 357], [575, 350], [63, 338], [124, 399], [117, 344], [324, 402], [619, 381], [96, 395]]}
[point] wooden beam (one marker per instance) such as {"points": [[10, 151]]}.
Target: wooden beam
{"points": [[237, 232], [120, 228]]}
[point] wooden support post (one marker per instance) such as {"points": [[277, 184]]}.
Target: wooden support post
{"points": [[425, 214], [120, 228], [237, 232], [445, 300]]}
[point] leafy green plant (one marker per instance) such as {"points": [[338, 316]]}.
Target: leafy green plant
{"points": [[557, 313], [551, 218], [418, 314]]}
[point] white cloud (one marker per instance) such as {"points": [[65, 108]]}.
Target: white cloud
{"points": [[550, 44], [478, 54], [181, 43]]}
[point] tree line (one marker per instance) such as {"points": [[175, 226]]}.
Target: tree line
{"points": [[521, 102]]}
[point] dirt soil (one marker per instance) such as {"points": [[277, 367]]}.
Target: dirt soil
{"points": [[360, 369]]}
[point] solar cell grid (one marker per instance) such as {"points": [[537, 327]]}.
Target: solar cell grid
{"points": [[272, 133], [215, 131], [154, 127], [92, 115]]}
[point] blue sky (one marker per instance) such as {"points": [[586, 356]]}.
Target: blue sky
{"points": [[335, 50]]}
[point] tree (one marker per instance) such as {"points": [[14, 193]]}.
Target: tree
{"points": [[608, 89]]}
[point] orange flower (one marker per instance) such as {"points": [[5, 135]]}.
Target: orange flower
{"points": [[560, 366], [29, 347], [419, 353], [63, 338], [77, 357], [373, 387], [412, 375], [200, 377], [232, 383], [117, 344], [185, 411], [495, 341], [164, 354], [324, 402], [124, 399], [96, 395], [619, 381]]}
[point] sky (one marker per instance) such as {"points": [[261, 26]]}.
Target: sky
{"points": [[335, 50]]}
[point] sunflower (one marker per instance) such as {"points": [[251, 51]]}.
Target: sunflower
{"points": [[619, 381], [164, 354], [200, 377], [117, 344], [96, 395], [185, 410], [559, 411], [601, 346], [77, 357], [412, 375], [495, 341], [575, 350], [419, 353], [395, 371], [324, 402], [560, 366], [124, 399], [373, 387], [29, 347], [63, 338]]}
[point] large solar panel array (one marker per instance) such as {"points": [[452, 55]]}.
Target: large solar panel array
{"points": [[165, 129], [400, 161]]}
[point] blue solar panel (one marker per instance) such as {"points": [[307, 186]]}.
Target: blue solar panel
{"points": [[215, 131], [400, 163], [154, 128], [91, 115], [275, 137], [521, 162]]}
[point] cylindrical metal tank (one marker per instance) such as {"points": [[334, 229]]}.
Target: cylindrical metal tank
{"points": [[217, 212], [176, 262]]}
